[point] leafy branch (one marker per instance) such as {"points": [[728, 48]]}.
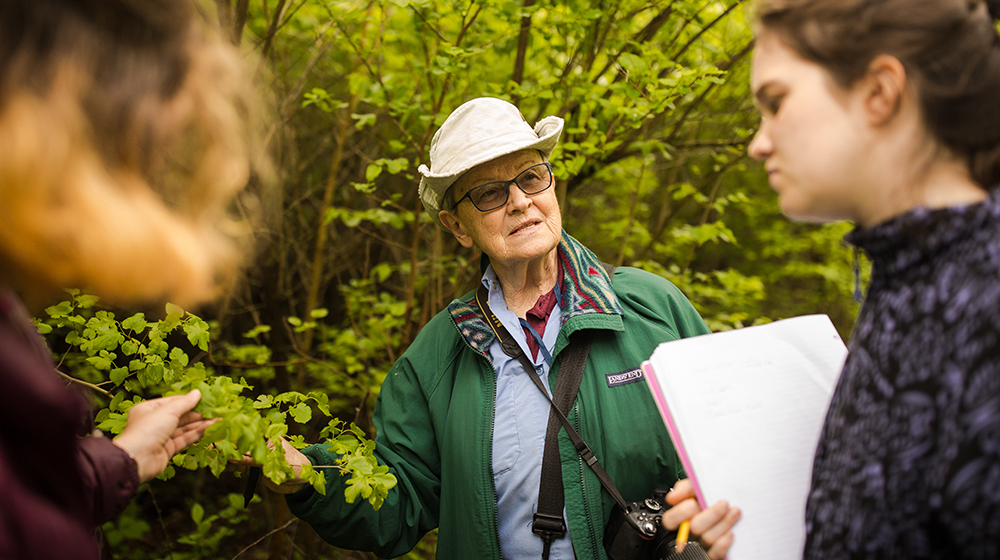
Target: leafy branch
{"points": [[143, 359]]}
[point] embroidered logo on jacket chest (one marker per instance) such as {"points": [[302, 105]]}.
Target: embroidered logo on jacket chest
{"points": [[624, 377]]}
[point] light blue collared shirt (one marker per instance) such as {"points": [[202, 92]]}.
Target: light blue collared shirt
{"points": [[521, 415]]}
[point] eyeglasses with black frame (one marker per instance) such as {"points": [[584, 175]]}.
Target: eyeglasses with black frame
{"points": [[490, 196]]}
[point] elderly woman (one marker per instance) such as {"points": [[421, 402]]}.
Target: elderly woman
{"points": [[462, 425]]}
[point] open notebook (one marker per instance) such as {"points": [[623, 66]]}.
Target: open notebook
{"points": [[745, 409]]}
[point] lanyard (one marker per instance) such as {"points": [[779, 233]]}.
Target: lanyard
{"points": [[548, 522]]}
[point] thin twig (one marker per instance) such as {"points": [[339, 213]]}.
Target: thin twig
{"points": [[84, 383], [159, 516], [268, 534]]}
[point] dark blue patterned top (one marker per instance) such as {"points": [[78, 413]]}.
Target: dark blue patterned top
{"points": [[908, 465]]}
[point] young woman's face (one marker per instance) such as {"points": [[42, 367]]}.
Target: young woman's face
{"points": [[813, 135]]}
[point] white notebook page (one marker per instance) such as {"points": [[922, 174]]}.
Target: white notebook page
{"points": [[747, 407]]}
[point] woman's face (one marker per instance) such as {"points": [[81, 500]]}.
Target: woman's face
{"points": [[527, 227], [813, 136]]}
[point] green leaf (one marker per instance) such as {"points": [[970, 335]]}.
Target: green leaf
{"points": [[354, 488], [363, 120], [394, 166], [197, 332], [130, 347], [373, 171], [156, 351], [116, 402], [86, 301], [274, 468], [263, 401], [386, 480], [60, 310], [276, 431], [197, 512], [117, 376], [319, 313], [154, 374], [258, 330], [114, 424], [168, 473], [136, 323], [100, 362], [179, 357], [632, 62], [301, 413], [174, 310], [361, 465]]}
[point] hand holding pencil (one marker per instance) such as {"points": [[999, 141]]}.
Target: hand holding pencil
{"points": [[712, 525]]}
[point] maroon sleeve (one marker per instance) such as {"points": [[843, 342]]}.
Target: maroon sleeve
{"points": [[54, 485], [110, 476], [34, 527]]}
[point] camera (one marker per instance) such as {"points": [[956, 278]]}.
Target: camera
{"points": [[635, 533]]}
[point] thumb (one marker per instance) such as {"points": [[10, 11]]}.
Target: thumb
{"points": [[179, 404]]}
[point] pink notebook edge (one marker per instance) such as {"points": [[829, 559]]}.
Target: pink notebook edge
{"points": [[675, 436], [661, 404]]}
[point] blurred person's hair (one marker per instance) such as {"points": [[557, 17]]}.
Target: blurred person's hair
{"points": [[950, 49], [126, 128]]}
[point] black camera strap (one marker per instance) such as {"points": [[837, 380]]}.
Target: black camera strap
{"points": [[548, 522]]}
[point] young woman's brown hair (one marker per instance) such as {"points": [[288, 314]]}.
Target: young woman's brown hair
{"points": [[950, 49], [123, 138]]}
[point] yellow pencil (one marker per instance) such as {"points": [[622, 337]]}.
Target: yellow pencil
{"points": [[682, 536]]}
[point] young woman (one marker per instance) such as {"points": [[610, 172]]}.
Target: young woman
{"points": [[887, 113]]}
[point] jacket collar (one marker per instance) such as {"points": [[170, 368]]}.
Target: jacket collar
{"points": [[921, 234], [588, 299]]}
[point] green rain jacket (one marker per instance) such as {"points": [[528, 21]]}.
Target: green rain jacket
{"points": [[434, 421]]}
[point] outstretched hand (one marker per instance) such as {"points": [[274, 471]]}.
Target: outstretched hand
{"points": [[158, 429], [294, 457], [712, 526]]}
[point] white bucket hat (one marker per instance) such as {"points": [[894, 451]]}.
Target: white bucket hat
{"points": [[478, 131]]}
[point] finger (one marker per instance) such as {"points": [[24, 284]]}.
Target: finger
{"points": [[720, 547], [179, 404], [704, 520], [715, 532], [673, 517], [187, 438], [153, 404], [681, 491], [189, 416], [199, 426]]}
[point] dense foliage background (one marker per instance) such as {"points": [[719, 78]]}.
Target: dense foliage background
{"points": [[652, 172]]}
